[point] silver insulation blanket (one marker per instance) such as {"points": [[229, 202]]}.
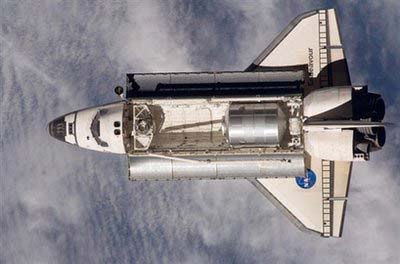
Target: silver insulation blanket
{"points": [[216, 167]]}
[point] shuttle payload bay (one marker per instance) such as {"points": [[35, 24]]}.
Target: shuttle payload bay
{"points": [[292, 124]]}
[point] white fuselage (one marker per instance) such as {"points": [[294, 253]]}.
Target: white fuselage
{"points": [[97, 128]]}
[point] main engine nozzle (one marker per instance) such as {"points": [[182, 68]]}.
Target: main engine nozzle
{"points": [[369, 105], [380, 138]]}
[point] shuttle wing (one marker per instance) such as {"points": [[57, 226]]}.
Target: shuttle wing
{"points": [[312, 38], [316, 205]]}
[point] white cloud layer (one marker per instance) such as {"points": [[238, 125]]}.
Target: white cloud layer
{"points": [[64, 205]]}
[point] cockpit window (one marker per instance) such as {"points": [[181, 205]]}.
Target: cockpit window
{"points": [[70, 128], [95, 129], [103, 112]]}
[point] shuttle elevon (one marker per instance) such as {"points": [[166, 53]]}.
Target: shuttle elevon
{"points": [[291, 124]]}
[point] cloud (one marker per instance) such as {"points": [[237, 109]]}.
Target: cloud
{"points": [[61, 204], [56, 200], [145, 37]]}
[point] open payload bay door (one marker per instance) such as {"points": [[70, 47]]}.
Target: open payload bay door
{"points": [[316, 203], [312, 38]]}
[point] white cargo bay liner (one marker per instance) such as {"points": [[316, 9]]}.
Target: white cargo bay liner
{"points": [[178, 113], [201, 124]]}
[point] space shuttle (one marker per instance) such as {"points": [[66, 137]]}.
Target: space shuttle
{"points": [[291, 124]]}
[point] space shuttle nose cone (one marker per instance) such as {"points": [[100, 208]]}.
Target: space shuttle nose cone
{"points": [[57, 128]]}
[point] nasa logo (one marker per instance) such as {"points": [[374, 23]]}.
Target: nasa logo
{"points": [[308, 181]]}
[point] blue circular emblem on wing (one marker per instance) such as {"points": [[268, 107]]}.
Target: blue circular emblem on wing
{"points": [[308, 181]]}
